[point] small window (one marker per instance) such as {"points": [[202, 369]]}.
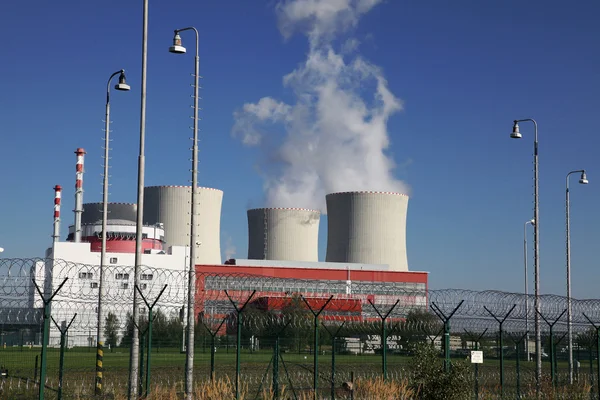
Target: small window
{"points": [[94, 285], [124, 285], [118, 276], [143, 286], [147, 251], [85, 275], [113, 260], [144, 236], [125, 276], [146, 277]]}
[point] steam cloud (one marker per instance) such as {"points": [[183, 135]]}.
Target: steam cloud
{"points": [[335, 138], [230, 249]]}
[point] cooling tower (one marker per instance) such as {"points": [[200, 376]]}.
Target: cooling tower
{"points": [[92, 212], [290, 234], [170, 205], [367, 227]]}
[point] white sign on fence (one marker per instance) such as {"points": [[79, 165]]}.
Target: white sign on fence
{"points": [[477, 357]]}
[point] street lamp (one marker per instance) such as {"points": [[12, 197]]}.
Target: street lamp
{"points": [[121, 86], [178, 48], [530, 222], [516, 134], [134, 350], [582, 180], [1, 250]]}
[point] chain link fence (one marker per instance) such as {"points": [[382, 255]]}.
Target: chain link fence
{"points": [[291, 338]]}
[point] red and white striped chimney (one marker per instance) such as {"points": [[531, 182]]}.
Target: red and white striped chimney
{"points": [[78, 194], [57, 197]]}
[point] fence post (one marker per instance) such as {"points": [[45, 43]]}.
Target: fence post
{"points": [[476, 339], [446, 320], [551, 325], [501, 333], [46, 334], [149, 333], [141, 366], [239, 339], [597, 327], [556, 343], [384, 336], [517, 341], [276, 362], [61, 363], [333, 338], [212, 346], [316, 343]]}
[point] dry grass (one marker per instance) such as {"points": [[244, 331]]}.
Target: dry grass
{"points": [[577, 391], [384, 390], [224, 389]]}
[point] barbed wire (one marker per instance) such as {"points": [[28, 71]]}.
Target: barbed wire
{"points": [[273, 303]]}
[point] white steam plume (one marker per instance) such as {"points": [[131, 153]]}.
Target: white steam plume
{"points": [[230, 249], [335, 135]]}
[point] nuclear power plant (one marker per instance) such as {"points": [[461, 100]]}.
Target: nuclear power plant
{"points": [[366, 243], [363, 227]]}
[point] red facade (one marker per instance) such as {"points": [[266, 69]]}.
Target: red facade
{"points": [[346, 307]]}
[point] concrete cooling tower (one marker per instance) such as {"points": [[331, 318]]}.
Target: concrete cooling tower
{"points": [[92, 212], [367, 227], [170, 205], [289, 234]]}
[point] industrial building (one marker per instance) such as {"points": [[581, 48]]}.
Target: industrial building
{"points": [[366, 259]]}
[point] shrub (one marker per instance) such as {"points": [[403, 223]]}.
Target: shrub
{"points": [[432, 382]]}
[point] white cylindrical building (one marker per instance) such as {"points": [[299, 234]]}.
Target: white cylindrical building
{"points": [[170, 206], [290, 234], [92, 212], [367, 227]]}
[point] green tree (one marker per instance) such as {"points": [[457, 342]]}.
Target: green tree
{"points": [[111, 330]]}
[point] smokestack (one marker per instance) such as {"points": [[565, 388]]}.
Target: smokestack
{"points": [[78, 194], [57, 196]]}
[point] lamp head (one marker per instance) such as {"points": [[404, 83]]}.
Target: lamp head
{"points": [[1, 249], [177, 47], [122, 85], [532, 221], [515, 132], [583, 180]]}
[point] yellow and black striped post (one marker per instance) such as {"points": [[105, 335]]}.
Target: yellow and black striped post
{"points": [[99, 356]]}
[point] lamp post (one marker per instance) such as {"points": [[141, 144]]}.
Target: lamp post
{"points": [[532, 222], [582, 180], [536, 245], [134, 354], [122, 86], [178, 48]]}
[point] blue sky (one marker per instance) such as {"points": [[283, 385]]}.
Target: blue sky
{"points": [[463, 72]]}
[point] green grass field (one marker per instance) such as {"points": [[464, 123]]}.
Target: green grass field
{"points": [[167, 367]]}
